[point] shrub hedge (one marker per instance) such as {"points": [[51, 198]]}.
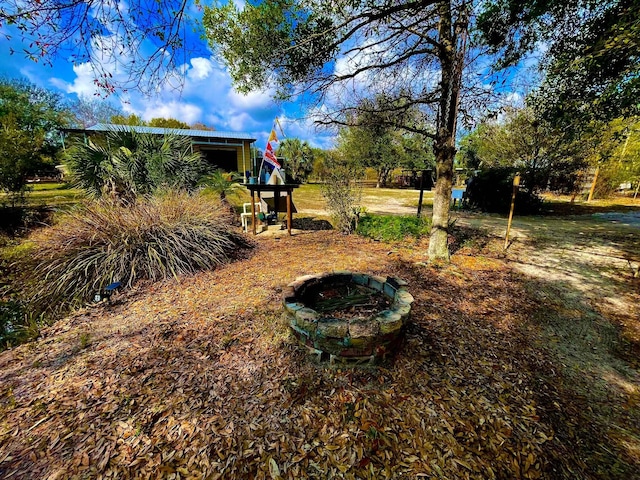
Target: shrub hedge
{"points": [[491, 190], [392, 227]]}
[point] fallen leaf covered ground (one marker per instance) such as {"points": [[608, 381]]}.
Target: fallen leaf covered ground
{"points": [[199, 378]]}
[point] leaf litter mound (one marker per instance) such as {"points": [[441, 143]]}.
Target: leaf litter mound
{"points": [[198, 378]]}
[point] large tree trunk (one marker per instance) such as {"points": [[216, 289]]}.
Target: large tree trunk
{"points": [[438, 242], [452, 39]]}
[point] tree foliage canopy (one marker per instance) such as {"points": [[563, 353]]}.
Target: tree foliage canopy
{"points": [[372, 141], [30, 122], [87, 112], [593, 53], [168, 123], [522, 141], [390, 48], [133, 120], [298, 157]]}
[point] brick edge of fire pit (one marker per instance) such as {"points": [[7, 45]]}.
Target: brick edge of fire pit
{"points": [[353, 341]]}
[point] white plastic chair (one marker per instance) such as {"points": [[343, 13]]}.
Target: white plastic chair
{"points": [[246, 215]]}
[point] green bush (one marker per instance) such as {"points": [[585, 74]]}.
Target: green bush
{"points": [[342, 192], [392, 227], [491, 190], [11, 323], [106, 241]]}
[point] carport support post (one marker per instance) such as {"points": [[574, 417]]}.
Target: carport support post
{"points": [[244, 164], [289, 211]]}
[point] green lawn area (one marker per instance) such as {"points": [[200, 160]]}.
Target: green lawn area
{"points": [[308, 198], [51, 195]]}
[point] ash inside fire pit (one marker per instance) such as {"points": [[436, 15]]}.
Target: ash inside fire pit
{"points": [[345, 316]]}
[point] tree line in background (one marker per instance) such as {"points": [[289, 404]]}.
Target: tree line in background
{"points": [[549, 158]]}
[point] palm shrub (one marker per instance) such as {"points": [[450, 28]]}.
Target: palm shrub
{"points": [[154, 238], [298, 157], [224, 184], [126, 164]]}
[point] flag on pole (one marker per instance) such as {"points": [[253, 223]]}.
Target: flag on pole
{"points": [[270, 156]]}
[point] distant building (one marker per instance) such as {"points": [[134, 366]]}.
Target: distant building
{"points": [[230, 151]]}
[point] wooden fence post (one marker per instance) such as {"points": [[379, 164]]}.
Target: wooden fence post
{"points": [[593, 185], [516, 184]]}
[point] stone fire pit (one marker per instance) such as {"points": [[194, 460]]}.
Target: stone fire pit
{"points": [[347, 317]]}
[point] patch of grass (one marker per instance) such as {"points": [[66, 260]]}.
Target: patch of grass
{"points": [[309, 197], [391, 228], [54, 195], [17, 323], [85, 340]]}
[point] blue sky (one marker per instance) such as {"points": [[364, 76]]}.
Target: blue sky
{"points": [[206, 96]]}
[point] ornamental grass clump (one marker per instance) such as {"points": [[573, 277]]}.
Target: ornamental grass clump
{"points": [[107, 241]]}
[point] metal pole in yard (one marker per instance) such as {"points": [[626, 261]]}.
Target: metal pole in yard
{"points": [[516, 184], [421, 192]]}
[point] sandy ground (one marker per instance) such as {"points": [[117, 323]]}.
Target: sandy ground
{"points": [[596, 254]]}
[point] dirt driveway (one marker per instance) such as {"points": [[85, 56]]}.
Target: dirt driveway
{"points": [[595, 254]]}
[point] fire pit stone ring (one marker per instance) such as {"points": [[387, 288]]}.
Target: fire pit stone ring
{"points": [[347, 317]]}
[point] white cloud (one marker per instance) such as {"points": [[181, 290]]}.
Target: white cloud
{"points": [[241, 121], [513, 99], [252, 100], [83, 85], [182, 111], [206, 95], [200, 69]]}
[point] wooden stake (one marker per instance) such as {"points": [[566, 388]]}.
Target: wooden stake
{"points": [[516, 184], [593, 185]]}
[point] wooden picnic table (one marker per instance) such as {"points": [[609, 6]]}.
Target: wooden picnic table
{"points": [[258, 188]]}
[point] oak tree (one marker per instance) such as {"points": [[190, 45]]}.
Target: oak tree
{"points": [[345, 51]]}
